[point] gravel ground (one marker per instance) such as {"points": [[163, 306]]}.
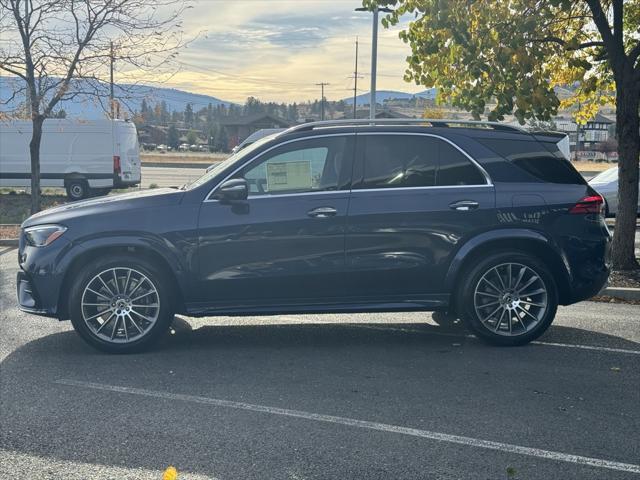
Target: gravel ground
{"points": [[9, 231], [627, 278]]}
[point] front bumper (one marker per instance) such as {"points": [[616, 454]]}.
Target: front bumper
{"points": [[40, 276], [29, 299]]}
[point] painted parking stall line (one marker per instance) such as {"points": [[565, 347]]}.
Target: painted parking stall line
{"points": [[588, 347], [350, 422], [535, 342]]}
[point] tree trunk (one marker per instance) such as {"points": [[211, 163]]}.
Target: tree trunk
{"points": [[34, 150], [627, 128]]}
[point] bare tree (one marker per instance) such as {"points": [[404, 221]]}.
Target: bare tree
{"points": [[58, 50]]}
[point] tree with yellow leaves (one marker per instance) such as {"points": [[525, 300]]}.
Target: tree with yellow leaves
{"points": [[514, 52]]}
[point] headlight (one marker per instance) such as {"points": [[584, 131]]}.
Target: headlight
{"points": [[43, 235]]}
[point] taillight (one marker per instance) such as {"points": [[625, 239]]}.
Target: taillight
{"points": [[116, 164], [588, 204]]}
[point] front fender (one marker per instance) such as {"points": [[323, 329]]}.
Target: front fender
{"points": [[511, 235], [175, 253]]}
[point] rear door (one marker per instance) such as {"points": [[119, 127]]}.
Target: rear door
{"points": [[127, 148], [415, 199]]}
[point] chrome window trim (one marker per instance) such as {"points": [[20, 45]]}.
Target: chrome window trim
{"points": [[352, 190], [434, 187]]}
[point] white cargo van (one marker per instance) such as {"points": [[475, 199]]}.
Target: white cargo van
{"points": [[84, 157]]}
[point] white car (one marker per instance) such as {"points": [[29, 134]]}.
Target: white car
{"points": [[606, 184], [84, 157], [256, 136]]}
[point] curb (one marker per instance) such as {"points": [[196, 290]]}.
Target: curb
{"points": [[202, 166], [8, 242], [625, 293]]}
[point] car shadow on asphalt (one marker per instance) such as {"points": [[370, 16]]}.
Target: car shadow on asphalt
{"points": [[294, 365]]}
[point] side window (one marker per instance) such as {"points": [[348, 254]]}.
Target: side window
{"points": [[318, 164], [455, 168], [393, 161], [536, 160]]}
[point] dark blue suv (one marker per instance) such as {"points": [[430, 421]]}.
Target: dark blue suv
{"points": [[485, 221]]}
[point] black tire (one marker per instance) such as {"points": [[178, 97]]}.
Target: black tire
{"points": [[77, 189], [466, 294], [121, 261]]}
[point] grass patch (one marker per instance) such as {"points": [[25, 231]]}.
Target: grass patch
{"points": [[16, 207]]}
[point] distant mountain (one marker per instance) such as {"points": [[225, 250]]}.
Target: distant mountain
{"points": [[89, 107], [384, 95]]}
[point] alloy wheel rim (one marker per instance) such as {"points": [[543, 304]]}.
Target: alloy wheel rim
{"points": [[510, 299], [120, 305], [76, 190]]}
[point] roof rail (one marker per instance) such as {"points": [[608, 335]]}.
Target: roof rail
{"points": [[434, 122]]}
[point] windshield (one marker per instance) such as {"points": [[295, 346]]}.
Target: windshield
{"points": [[237, 157], [607, 176]]}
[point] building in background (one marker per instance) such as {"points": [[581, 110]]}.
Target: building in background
{"points": [[239, 128], [588, 137]]}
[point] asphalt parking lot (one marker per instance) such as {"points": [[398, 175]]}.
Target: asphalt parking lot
{"points": [[407, 395]]}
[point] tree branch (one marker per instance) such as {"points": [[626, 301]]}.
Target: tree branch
{"points": [[615, 51], [562, 42]]}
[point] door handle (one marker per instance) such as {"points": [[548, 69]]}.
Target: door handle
{"points": [[464, 205], [322, 212]]}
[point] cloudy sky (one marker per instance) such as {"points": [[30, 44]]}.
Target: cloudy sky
{"points": [[278, 49]]}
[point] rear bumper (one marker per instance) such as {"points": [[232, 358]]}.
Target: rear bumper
{"points": [[119, 182], [590, 265]]}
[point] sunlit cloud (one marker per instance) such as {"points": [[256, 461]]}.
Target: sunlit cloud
{"points": [[279, 50]]}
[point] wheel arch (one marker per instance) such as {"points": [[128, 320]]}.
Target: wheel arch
{"points": [[526, 241], [159, 259], [71, 176]]}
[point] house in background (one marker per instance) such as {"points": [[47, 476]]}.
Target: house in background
{"points": [[363, 114], [593, 133], [239, 128]]}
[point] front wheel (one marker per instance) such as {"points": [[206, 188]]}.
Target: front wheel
{"points": [[508, 298], [120, 305]]}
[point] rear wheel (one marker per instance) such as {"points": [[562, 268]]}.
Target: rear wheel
{"points": [[120, 305], [77, 189], [508, 298]]}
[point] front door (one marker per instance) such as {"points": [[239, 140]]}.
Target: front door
{"points": [[285, 244], [415, 200]]}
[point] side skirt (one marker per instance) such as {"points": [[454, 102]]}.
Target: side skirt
{"points": [[417, 303]]}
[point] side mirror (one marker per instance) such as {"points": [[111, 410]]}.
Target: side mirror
{"points": [[233, 190]]}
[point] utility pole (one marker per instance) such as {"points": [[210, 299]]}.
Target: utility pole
{"points": [[322, 85], [111, 62], [355, 83]]}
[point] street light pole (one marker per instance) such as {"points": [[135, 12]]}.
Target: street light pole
{"points": [[374, 61], [374, 56]]}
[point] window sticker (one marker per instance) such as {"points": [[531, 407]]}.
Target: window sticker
{"points": [[283, 176]]}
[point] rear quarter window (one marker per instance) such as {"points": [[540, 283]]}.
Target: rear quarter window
{"points": [[548, 165]]}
